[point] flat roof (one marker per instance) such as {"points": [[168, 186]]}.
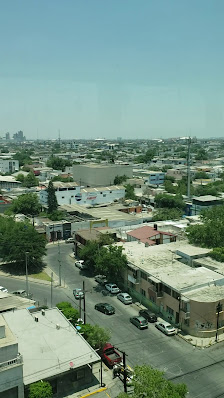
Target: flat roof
{"points": [[101, 166], [98, 189], [106, 212], [207, 294], [160, 261], [205, 198], [50, 346]]}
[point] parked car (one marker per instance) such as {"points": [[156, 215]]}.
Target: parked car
{"points": [[101, 279], [3, 289], [147, 314], [139, 321], [125, 298], [19, 292], [80, 264], [69, 240], [109, 355], [105, 308], [112, 288], [166, 328], [78, 293]]}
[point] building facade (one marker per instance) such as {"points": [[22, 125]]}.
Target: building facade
{"points": [[97, 175], [11, 364], [8, 165]]}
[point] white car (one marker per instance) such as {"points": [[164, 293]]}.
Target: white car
{"points": [[125, 298], [112, 288], [166, 328], [80, 264], [3, 289], [69, 240], [78, 293]]}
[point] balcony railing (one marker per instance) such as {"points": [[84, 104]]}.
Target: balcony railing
{"points": [[15, 361]]}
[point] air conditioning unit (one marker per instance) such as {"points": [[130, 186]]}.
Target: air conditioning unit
{"points": [[187, 315]]}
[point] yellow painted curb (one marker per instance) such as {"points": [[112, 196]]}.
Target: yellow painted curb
{"points": [[94, 392]]}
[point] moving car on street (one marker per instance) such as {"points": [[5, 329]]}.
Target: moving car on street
{"points": [[78, 293], [105, 308], [80, 264], [125, 298], [112, 288], [166, 328], [20, 292], [139, 321], [3, 289], [69, 240], [147, 314]]}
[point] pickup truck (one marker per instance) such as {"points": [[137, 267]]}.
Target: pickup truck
{"points": [[109, 355]]}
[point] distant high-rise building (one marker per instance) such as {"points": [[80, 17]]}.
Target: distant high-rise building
{"points": [[7, 136], [19, 136]]}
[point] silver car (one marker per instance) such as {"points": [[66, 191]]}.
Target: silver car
{"points": [[166, 328], [3, 289], [124, 298]]}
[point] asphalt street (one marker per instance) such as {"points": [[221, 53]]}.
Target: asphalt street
{"points": [[201, 369]]}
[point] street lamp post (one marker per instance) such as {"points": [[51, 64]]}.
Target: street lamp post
{"points": [[27, 286], [218, 309]]}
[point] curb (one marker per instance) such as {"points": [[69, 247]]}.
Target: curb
{"points": [[94, 392]]}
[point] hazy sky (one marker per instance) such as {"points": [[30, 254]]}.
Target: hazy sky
{"points": [[112, 68]]}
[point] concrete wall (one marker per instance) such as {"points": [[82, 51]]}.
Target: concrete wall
{"points": [[10, 377], [100, 176]]}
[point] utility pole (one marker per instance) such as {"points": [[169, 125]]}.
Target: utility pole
{"points": [[189, 169], [59, 263], [125, 371], [218, 309], [27, 286], [51, 289], [84, 302]]}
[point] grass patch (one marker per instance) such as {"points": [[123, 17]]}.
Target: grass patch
{"points": [[41, 275]]}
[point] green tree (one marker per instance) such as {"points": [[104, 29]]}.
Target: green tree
{"points": [[201, 154], [23, 157], [110, 261], [130, 192], [168, 201], [120, 179], [51, 198], [20, 177], [27, 204], [167, 214], [30, 180], [62, 179], [17, 238], [58, 163], [89, 254], [210, 233], [96, 336], [40, 389], [201, 175], [150, 383], [68, 311]]}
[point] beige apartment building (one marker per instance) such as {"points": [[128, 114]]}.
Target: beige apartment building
{"points": [[165, 279]]}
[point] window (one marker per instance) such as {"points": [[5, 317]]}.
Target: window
{"points": [[143, 292], [143, 275], [169, 310], [176, 295], [152, 299], [62, 197], [167, 289]]}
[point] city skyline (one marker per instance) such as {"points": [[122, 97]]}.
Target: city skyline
{"points": [[105, 69]]}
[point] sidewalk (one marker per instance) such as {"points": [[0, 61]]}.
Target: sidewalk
{"points": [[112, 388]]}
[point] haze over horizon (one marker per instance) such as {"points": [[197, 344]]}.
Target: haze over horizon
{"points": [[112, 69]]}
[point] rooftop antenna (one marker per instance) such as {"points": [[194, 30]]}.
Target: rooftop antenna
{"points": [[59, 137], [189, 168]]}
